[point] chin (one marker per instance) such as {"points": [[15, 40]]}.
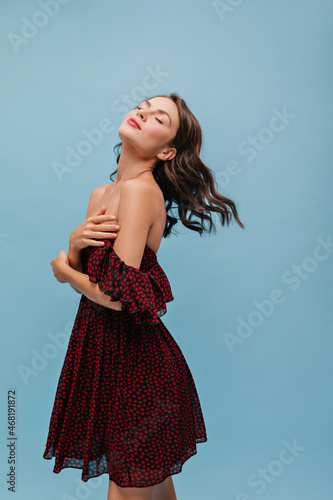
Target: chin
{"points": [[126, 130], [124, 133]]}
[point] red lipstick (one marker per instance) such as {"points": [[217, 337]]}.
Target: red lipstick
{"points": [[134, 123]]}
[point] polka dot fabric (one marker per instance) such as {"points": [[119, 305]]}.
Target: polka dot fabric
{"points": [[126, 403], [142, 292]]}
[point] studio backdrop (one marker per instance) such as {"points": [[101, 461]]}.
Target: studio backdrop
{"points": [[253, 308]]}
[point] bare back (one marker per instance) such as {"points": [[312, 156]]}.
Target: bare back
{"points": [[109, 195]]}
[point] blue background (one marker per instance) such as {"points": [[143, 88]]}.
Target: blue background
{"points": [[237, 64]]}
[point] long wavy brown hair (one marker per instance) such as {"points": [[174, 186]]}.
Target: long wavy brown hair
{"points": [[186, 181]]}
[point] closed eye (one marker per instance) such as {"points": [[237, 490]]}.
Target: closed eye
{"points": [[156, 118]]}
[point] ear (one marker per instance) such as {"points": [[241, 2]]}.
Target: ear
{"points": [[167, 155]]}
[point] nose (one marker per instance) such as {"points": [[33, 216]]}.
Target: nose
{"points": [[140, 113]]}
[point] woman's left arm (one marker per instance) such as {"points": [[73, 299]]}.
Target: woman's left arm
{"points": [[66, 274]]}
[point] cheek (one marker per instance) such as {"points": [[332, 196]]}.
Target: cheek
{"points": [[157, 133]]}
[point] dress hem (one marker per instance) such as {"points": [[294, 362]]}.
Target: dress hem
{"points": [[186, 456]]}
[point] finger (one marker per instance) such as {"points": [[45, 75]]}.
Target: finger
{"points": [[102, 234], [100, 212], [106, 226], [97, 219], [98, 242], [94, 243]]}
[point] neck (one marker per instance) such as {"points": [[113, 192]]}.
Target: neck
{"points": [[131, 165]]}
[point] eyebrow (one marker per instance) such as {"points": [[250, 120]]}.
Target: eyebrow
{"points": [[160, 110]]}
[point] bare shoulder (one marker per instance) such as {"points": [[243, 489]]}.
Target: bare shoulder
{"points": [[95, 195], [141, 189], [98, 191], [142, 199]]}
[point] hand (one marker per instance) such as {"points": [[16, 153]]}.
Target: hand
{"points": [[59, 265], [99, 225]]}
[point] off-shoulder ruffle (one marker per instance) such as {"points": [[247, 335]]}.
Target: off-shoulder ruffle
{"points": [[143, 292]]}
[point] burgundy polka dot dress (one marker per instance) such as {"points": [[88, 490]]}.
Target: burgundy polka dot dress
{"points": [[126, 403]]}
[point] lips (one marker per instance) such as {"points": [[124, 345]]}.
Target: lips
{"points": [[133, 122]]}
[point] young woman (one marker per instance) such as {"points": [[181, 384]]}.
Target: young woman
{"points": [[126, 403]]}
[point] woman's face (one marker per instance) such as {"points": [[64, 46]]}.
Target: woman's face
{"points": [[158, 122]]}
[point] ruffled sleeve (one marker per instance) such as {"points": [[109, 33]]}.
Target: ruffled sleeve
{"points": [[143, 292]]}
